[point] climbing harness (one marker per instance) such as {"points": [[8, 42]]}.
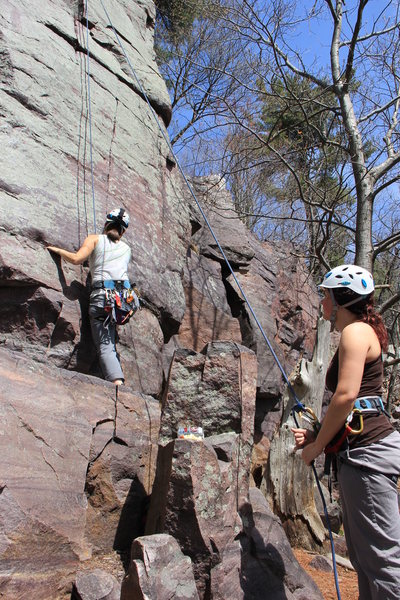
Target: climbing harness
{"points": [[299, 406], [354, 425], [121, 300]]}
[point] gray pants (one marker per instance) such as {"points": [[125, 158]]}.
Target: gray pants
{"points": [[371, 517], [104, 340]]}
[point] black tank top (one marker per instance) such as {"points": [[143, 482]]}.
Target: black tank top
{"points": [[376, 427], [371, 381]]}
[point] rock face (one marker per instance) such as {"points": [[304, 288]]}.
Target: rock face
{"points": [[77, 464], [75, 469], [49, 199]]}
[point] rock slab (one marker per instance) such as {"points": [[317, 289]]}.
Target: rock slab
{"points": [[159, 570]]}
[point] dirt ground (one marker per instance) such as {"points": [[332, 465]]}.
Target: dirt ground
{"points": [[326, 582]]}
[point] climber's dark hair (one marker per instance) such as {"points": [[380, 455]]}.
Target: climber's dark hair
{"points": [[113, 231], [365, 311]]}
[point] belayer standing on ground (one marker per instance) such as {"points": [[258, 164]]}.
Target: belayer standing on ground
{"points": [[368, 462], [108, 262]]}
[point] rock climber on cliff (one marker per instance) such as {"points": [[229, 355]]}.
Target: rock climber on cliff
{"points": [[108, 259]]}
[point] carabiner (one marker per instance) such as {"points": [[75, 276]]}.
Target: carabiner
{"points": [[309, 415], [355, 412]]}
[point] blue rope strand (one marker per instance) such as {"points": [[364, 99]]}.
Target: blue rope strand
{"points": [[329, 530], [328, 521], [90, 116]]}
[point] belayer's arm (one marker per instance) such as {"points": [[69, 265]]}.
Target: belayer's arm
{"points": [[353, 350], [77, 258]]}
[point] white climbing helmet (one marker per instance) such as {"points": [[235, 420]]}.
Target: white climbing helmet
{"points": [[119, 216], [352, 277]]}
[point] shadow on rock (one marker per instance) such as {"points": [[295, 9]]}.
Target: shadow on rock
{"points": [[132, 521], [262, 566], [269, 569]]}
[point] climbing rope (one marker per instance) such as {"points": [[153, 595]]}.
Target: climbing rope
{"points": [[90, 115], [328, 521], [299, 406], [115, 413]]}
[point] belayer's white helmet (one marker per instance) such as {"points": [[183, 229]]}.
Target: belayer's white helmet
{"points": [[352, 277], [118, 216]]}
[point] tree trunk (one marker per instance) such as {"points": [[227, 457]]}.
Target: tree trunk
{"points": [[364, 185], [287, 480]]}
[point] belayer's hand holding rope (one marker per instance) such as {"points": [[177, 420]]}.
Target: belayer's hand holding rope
{"points": [[305, 441]]}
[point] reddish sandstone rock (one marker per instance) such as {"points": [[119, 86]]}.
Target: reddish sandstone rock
{"points": [[72, 481], [158, 570], [199, 484], [96, 585], [215, 389], [208, 316]]}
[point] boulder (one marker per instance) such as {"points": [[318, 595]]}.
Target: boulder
{"points": [[269, 563], [195, 500], [321, 563], [96, 585], [158, 569]]}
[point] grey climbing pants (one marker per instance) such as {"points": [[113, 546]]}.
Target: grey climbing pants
{"points": [[104, 340], [371, 516]]}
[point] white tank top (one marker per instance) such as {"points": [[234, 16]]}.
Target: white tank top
{"points": [[109, 260]]}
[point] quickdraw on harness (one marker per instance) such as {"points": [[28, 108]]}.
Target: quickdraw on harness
{"points": [[121, 300]]}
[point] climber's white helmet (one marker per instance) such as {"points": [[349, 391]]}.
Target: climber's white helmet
{"points": [[118, 216], [352, 277]]}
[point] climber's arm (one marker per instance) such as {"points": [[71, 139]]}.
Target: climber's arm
{"points": [[77, 258]]}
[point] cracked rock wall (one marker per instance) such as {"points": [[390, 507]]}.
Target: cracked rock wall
{"points": [[46, 180]]}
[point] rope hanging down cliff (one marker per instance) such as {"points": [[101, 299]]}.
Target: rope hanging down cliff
{"points": [[299, 406], [90, 115]]}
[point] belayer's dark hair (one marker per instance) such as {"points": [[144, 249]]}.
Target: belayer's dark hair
{"points": [[113, 231], [364, 309]]}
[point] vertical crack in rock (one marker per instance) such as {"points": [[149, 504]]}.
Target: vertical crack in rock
{"points": [[238, 309]]}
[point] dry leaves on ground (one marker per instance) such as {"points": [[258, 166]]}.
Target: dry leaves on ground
{"points": [[326, 582]]}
